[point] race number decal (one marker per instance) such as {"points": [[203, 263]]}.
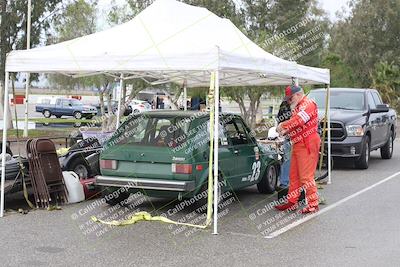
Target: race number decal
{"points": [[256, 167]]}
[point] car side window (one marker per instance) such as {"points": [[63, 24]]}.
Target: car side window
{"points": [[371, 101], [377, 98], [236, 132]]}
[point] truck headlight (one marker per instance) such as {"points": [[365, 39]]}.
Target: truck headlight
{"points": [[355, 130]]}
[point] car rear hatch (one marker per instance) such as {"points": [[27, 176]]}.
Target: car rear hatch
{"points": [[150, 148]]}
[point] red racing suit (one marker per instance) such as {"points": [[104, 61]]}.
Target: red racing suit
{"points": [[303, 131]]}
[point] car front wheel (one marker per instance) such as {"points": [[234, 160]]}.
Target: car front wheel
{"points": [[78, 115], [363, 161], [268, 182]]}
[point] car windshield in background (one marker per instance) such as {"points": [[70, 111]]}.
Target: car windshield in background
{"points": [[340, 100], [153, 131]]}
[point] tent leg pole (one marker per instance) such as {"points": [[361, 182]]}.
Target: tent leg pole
{"points": [[216, 146], [4, 144], [25, 134], [329, 136], [185, 95], [121, 84]]}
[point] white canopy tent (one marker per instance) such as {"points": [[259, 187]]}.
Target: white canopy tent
{"points": [[168, 42]]}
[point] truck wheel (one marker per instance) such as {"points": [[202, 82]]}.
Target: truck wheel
{"points": [[79, 168], [112, 197], [78, 115], [46, 113], [363, 161], [387, 149], [268, 182]]}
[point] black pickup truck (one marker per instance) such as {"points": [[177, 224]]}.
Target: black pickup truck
{"points": [[360, 123]]}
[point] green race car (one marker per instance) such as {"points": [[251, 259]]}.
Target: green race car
{"points": [[166, 154]]}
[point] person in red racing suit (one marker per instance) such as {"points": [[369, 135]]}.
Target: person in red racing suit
{"points": [[303, 131]]}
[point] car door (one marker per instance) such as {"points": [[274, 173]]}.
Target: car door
{"points": [[246, 168], [374, 122], [60, 107], [383, 120]]}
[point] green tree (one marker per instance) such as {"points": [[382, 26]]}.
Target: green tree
{"points": [[386, 78], [13, 21], [341, 74], [370, 34]]}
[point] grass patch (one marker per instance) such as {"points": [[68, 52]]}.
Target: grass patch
{"points": [[34, 133]]}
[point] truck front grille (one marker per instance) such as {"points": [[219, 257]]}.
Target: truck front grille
{"points": [[337, 131]]}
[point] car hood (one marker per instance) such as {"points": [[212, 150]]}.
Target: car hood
{"points": [[344, 116]]}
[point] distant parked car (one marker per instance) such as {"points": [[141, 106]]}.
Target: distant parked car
{"points": [[114, 108], [67, 107], [139, 106]]}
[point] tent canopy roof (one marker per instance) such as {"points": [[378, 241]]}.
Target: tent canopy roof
{"points": [[168, 41]]}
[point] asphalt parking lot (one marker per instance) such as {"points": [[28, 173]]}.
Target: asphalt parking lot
{"points": [[358, 228]]}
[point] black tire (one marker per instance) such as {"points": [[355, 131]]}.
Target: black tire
{"points": [[46, 113], [387, 149], [58, 116], [89, 117], [111, 198], [79, 167], [268, 182], [78, 115], [363, 161]]}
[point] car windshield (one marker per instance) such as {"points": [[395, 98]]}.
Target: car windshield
{"points": [[344, 100], [153, 131]]}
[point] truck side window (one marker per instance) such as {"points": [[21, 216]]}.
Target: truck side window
{"points": [[377, 98], [371, 101]]}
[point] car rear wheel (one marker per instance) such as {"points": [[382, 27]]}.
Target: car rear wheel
{"points": [[387, 149], [269, 180], [46, 113], [363, 161], [78, 115]]}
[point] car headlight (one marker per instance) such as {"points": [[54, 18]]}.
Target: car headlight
{"points": [[355, 130]]}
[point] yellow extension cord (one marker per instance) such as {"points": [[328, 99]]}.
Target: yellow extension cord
{"points": [[145, 216]]}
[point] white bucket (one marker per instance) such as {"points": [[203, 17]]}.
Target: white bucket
{"points": [[74, 187]]}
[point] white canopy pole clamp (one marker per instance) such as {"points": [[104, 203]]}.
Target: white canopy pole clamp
{"points": [[28, 46], [185, 95], [121, 84], [4, 144], [329, 135], [216, 147]]}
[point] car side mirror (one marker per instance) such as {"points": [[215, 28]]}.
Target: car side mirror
{"points": [[380, 108]]}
